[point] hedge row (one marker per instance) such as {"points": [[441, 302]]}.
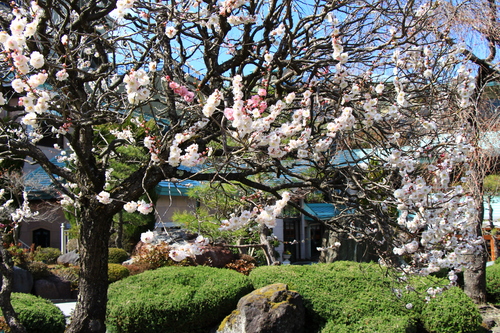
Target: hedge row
{"points": [[354, 297], [339, 297], [38, 315]]}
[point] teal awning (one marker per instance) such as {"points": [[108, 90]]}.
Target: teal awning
{"points": [[175, 189], [324, 211]]}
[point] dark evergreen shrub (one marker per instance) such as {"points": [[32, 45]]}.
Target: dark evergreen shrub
{"points": [[47, 255], [175, 299], [38, 315], [38, 269], [70, 273], [116, 255], [117, 272]]}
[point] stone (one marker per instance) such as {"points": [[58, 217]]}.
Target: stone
{"points": [[271, 309], [215, 256], [70, 258], [52, 287], [23, 281]]}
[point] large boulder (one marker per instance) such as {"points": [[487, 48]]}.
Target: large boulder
{"points": [[271, 309], [70, 258], [52, 287], [23, 281]]}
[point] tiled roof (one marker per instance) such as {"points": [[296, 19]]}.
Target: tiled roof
{"points": [[39, 185]]}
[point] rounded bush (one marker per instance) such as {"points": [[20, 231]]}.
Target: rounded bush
{"points": [[47, 255], [38, 315], [493, 283], [357, 297], [175, 299], [450, 312], [116, 255], [117, 272], [38, 269]]}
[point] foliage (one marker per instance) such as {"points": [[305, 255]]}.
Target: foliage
{"points": [[69, 273], [450, 312], [217, 202], [157, 255], [117, 272], [38, 269], [175, 299], [47, 255], [21, 257], [241, 266], [493, 283], [376, 324], [38, 315], [344, 296], [138, 268], [116, 255], [491, 184]]}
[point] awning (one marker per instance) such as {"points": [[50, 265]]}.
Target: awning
{"points": [[324, 211]]}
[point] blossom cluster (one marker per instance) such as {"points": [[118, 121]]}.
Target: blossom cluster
{"points": [[266, 215], [12, 215], [135, 84], [178, 251]]}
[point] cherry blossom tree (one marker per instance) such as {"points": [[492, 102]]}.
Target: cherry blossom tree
{"points": [[266, 94]]}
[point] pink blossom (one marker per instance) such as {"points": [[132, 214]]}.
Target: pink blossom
{"points": [[228, 113]]}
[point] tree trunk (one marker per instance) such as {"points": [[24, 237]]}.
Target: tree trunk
{"points": [[119, 232], [7, 274], [475, 275], [90, 311], [475, 279]]}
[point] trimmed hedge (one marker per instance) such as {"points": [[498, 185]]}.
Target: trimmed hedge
{"points": [[117, 256], [360, 297], [117, 272], [37, 314], [450, 312], [493, 283], [175, 299], [47, 255]]}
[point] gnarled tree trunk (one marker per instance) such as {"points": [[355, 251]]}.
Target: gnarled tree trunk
{"points": [[90, 311]]}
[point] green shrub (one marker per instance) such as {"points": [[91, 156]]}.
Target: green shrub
{"points": [[117, 272], [382, 324], [450, 312], [38, 269], [38, 315], [70, 273], [356, 297], [493, 283], [175, 299], [116, 255], [47, 255]]}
